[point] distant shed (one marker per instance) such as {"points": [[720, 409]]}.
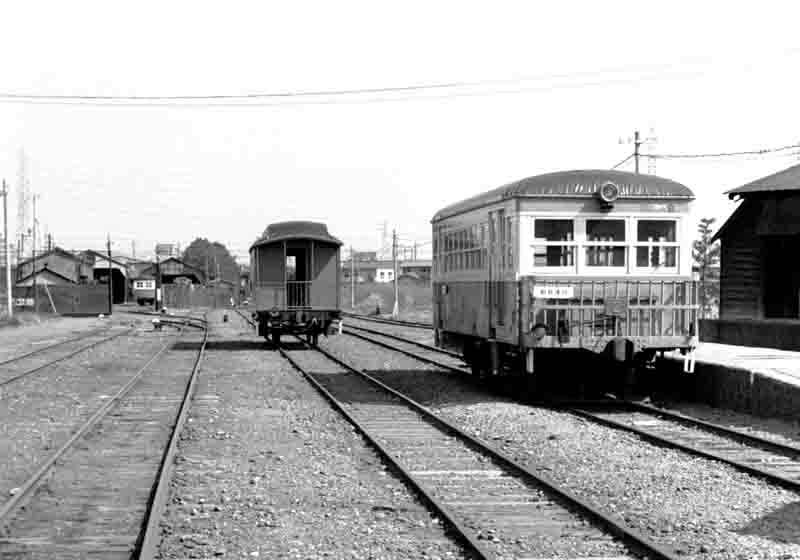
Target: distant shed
{"points": [[759, 269]]}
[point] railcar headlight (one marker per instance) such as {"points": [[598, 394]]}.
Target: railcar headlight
{"points": [[609, 192]]}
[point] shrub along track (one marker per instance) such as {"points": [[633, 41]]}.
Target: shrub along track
{"points": [[96, 491], [496, 506]]}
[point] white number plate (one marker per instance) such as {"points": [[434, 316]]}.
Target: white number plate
{"points": [[553, 292]]}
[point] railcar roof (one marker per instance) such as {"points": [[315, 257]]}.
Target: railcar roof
{"points": [[582, 183], [284, 231]]}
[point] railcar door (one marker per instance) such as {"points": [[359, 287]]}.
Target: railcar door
{"points": [[496, 266]]}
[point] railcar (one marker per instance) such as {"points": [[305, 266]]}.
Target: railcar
{"points": [[294, 277], [144, 291], [569, 262]]}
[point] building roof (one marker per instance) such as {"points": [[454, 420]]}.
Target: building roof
{"points": [[417, 263], [296, 230], [54, 250], [583, 183], [46, 270], [98, 256], [786, 180]]}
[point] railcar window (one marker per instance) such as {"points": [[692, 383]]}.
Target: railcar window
{"points": [[605, 243], [548, 251], [656, 245]]}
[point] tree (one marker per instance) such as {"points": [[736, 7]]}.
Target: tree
{"points": [[212, 258], [706, 256]]}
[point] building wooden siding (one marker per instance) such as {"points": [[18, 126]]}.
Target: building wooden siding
{"points": [[741, 278]]}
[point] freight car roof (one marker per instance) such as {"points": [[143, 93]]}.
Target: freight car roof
{"points": [[582, 183], [283, 231]]}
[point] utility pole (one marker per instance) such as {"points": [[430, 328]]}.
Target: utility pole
{"points": [[636, 144], [157, 283], [7, 250], [396, 309], [110, 276], [35, 293], [352, 278]]}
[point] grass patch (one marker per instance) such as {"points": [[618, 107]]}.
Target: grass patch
{"points": [[414, 303]]}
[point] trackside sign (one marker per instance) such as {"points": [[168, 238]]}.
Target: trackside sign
{"points": [[553, 292]]}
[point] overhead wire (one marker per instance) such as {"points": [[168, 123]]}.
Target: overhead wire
{"points": [[344, 96]]}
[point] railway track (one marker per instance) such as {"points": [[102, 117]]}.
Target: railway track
{"points": [[94, 494], [777, 463], [373, 319], [18, 367], [496, 506]]}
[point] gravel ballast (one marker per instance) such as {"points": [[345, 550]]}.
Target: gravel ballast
{"points": [[39, 412], [700, 508], [266, 469]]}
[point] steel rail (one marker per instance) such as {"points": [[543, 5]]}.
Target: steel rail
{"points": [[62, 358], [407, 341], [442, 510], [413, 324], [743, 437], [614, 526], [148, 541], [665, 442], [408, 353], [32, 352], [27, 488]]}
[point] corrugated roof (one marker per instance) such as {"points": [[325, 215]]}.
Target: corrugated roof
{"points": [[583, 183], [786, 180], [296, 230]]}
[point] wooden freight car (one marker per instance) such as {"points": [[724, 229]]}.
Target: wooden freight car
{"points": [[294, 280]]}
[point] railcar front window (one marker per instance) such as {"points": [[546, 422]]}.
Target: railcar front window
{"points": [[656, 245], [554, 243], [605, 243]]}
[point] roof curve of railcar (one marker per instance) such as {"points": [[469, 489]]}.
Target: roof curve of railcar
{"points": [[582, 183], [284, 231]]}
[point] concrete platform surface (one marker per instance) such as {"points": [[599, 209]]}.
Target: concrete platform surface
{"points": [[782, 365], [761, 381]]}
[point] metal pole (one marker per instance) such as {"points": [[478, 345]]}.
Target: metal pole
{"points": [[352, 279], [157, 275], [35, 294], [110, 276], [396, 309], [636, 144], [7, 250]]}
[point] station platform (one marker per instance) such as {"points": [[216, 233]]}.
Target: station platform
{"points": [[761, 381]]}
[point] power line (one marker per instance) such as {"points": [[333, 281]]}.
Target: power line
{"points": [[623, 161], [725, 154], [310, 97]]}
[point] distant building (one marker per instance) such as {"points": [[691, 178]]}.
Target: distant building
{"points": [[62, 266], [172, 269], [419, 269], [759, 279], [382, 271]]}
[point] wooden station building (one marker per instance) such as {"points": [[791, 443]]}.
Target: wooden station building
{"points": [[760, 265]]}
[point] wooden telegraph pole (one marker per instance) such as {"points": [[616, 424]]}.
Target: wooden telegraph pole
{"points": [[110, 276], [7, 250], [396, 309], [352, 278]]}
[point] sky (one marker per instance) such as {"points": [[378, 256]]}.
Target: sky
{"points": [[545, 86]]}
